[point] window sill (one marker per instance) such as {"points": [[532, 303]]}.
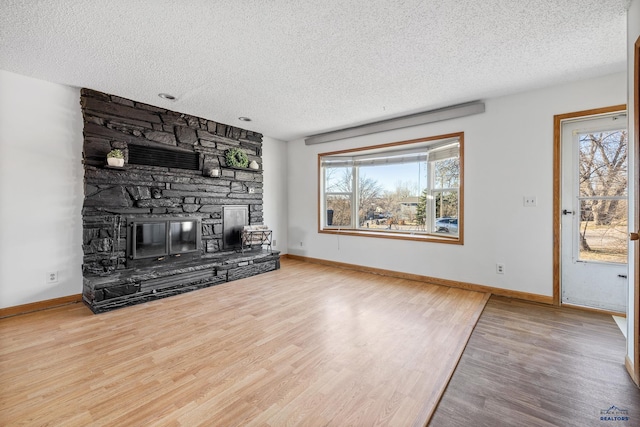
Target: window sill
{"points": [[416, 237]]}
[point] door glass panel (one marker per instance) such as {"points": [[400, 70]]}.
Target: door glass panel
{"points": [[603, 163], [603, 236], [602, 181]]}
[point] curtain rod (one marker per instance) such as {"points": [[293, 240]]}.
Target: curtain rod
{"points": [[432, 116]]}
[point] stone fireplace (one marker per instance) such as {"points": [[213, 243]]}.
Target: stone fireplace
{"points": [[137, 238]]}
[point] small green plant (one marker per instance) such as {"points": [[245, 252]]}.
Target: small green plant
{"points": [[115, 153]]}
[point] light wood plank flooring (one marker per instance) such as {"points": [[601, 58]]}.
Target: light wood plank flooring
{"points": [[533, 365], [305, 345]]}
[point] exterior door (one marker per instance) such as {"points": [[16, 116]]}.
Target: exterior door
{"points": [[594, 203]]}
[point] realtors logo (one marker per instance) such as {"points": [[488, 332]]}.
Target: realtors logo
{"points": [[614, 414]]}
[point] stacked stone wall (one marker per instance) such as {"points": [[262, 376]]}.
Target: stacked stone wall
{"points": [[113, 195]]}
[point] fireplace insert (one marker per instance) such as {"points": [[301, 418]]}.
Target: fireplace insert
{"points": [[151, 240]]}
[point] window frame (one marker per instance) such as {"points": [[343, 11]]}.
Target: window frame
{"points": [[354, 230]]}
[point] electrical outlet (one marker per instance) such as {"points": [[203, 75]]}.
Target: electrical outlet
{"points": [[52, 277], [500, 268], [529, 201], [274, 243], [301, 244]]}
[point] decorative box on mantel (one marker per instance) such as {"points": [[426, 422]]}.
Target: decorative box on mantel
{"points": [[165, 187]]}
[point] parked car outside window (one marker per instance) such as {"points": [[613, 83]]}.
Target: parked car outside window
{"points": [[446, 225]]}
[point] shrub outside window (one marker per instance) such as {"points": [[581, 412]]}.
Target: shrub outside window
{"points": [[404, 190]]}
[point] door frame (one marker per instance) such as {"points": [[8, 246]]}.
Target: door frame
{"points": [[633, 367], [557, 181]]}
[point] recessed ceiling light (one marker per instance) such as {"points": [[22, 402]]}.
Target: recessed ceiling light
{"points": [[167, 96], [244, 119]]}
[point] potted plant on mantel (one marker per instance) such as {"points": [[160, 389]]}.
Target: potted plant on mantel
{"points": [[115, 158]]}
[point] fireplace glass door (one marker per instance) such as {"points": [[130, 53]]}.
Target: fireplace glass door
{"points": [[162, 239], [183, 236], [150, 240]]}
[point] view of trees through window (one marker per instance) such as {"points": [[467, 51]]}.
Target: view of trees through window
{"points": [[603, 196], [407, 190]]}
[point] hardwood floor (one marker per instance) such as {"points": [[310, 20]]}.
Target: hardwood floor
{"points": [[315, 345], [305, 345], [533, 365]]}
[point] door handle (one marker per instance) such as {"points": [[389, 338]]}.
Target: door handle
{"points": [[634, 236], [566, 212]]}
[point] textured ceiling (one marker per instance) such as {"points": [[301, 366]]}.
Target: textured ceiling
{"points": [[303, 67]]}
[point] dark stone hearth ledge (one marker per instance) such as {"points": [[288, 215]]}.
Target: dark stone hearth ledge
{"points": [[220, 260], [135, 286]]}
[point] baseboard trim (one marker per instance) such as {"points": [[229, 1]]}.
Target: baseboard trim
{"points": [[432, 280], [39, 305], [633, 374]]}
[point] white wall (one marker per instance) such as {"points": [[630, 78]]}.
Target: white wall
{"points": [[508, 155], [633, 32], [41, 189], [274, 161]]}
